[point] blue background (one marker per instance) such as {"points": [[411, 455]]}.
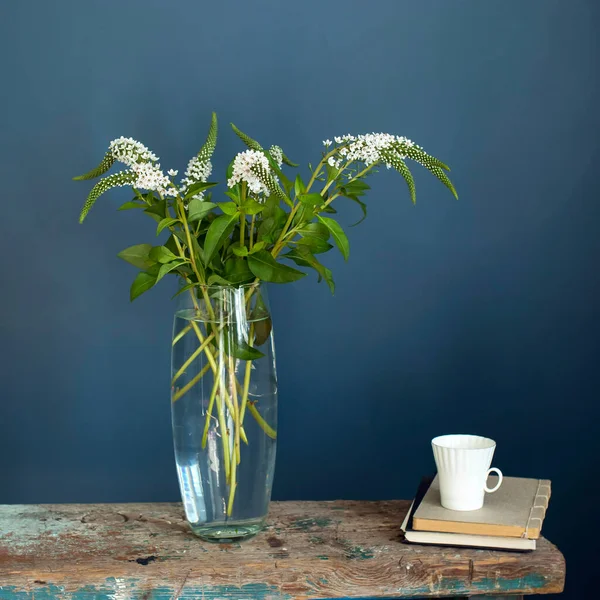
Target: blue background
{"points": [[477, 315]]}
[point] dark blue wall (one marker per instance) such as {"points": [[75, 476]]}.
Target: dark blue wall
{"points": [[478, 315]]}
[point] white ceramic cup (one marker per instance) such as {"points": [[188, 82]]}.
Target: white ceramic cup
{"points": [[463, 464]]}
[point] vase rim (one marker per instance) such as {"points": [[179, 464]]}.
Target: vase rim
{"points": [[242, 286], [218, 286]]}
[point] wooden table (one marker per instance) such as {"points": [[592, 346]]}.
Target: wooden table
{"points": [[309, 550]]}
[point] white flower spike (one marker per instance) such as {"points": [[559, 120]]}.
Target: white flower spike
{"points": [[245, 167]]}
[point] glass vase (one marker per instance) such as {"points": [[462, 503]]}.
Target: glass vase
{"points": [[224, 409]]}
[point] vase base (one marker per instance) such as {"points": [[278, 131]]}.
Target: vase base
{"points": [[228, 531]]}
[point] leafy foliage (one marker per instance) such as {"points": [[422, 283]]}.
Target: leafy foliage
{"points": [[268, 217]]}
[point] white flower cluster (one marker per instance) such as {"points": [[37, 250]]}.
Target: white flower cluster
{"points": [[197, 171], [276, 154], [142, 162], [368, 148], [130, 152], [150, 177], [246, 167]]}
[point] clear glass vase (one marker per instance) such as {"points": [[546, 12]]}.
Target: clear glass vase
{"points": [[224, 409]]}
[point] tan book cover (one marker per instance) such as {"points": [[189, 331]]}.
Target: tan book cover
{"points": [[517, 509]]}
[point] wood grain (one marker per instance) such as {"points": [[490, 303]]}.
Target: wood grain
{"points": [[339, 549]]}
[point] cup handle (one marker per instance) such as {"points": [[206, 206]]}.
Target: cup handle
{"points": [[494, 489]]}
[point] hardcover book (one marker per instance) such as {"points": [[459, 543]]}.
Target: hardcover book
{"points": [[516, 510]]}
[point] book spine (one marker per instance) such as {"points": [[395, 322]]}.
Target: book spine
{"points": [[537, 513]]}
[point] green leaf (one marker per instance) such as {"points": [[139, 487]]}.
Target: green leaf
{"points": [[196, 188], [273, 220], [314, 244], [130, 205], [106, 163], [171, 245], [357, 188], [183, 289], [252, 207], [116, 179], [315, 230], [234, 193], [309, 204], [237, 271], [303, 256], [198, 209], [138, 256], [332, 172], [218, 231], [166, 268], [239, 348], [162, 255], [218, 280], [341, 241], [240, 250], [263, 325], [265, 267], [299, 186], [272, 209], [363, 207], [258, 246], [165, 223], [311, 199], [158, 209], [229, 208], [142, 283], [268, 230]]}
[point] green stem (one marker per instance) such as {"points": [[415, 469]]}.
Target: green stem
{"points": [[252, 221], [188, 386], [209, 410], [192, 358], [319, 167], [247, 374], [189, 241], [264, 425], [224, 433], [236, 412], [181, 334], [235, 454], [232, 487], [242, 228], [357, 176], [242, 214]]}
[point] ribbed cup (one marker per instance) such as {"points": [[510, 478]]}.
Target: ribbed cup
{"points": [[462, 463]]}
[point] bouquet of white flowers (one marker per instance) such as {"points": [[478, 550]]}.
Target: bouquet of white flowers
{"points": [[266, 221]]}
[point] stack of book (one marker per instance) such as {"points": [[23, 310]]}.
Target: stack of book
{"points": [[511, 518]]}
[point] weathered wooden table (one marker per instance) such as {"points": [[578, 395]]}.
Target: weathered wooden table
{"points": [[309, 550]]}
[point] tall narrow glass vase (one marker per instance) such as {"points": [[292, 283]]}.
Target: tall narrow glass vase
{"points": [[224, 409]]}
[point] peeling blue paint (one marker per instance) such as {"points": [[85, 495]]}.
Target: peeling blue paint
{"points": [[130, 589], [532, 581], [126, 589]]}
